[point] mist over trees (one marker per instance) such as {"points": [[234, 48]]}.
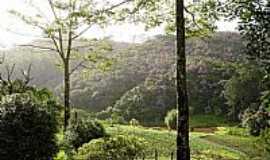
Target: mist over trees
{"points": [[143, 76]]}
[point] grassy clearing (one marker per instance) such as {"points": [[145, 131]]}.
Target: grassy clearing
{"points": [[225, 143], [201, 121], [204, 146], [244, 145]]}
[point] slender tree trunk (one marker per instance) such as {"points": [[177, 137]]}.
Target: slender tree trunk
{"points": [[183, 150], [66, 94], [67, 77]]}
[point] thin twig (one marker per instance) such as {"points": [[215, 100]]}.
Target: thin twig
{"points": [[39, 47]]}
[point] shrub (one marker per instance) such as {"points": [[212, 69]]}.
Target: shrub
{"points": [[83, 131], [145, 103], [27, 130], [111, 115], [134, 122], [61, 155], [236, 131], [117, 119], [171, 119], [256, 121], [112, 148], [105, 114]]}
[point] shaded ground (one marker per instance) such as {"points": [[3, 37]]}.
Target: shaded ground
{"points": [[205, 129]]}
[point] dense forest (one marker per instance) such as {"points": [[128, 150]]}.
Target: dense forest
{"points": [[140, 83], [193, 93]]}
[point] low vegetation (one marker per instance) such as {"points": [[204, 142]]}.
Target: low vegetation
{"points": [[83, 131], [204, 145], [119, 147], [27, 130]]}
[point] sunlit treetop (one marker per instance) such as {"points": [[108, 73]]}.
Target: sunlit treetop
{"points": [[201, 16], [81, 15]]}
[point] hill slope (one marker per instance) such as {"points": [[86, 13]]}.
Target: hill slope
{"points": [[138, 65]]}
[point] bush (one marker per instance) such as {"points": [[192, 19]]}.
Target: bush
{"points": [[83, 131], [171, 119], [105, 114], [27, 130], [61, 155], [236, 131], [256, 121], [134, 122], [112, 148]]}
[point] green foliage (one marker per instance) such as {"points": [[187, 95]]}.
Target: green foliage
{"points": [[105, 114], [253, 16], [16, 86], [136, 63], [256, 121], [40, 96], [264, 142], [205, 77], [236, 131], [266, 100], [61, 156], [171, 119], [27, 130], [254, 19], [47, 101], [243, 89], [70, 20], [111, 114], [200, 17], [204, 146], [133, 122], [116, 118], [148, 102], [208, 120], [83, 131], [112, 148], [242, 147]]}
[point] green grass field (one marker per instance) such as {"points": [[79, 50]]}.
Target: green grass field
{"points": [[207, 140], [198, 121], [204, 146]]}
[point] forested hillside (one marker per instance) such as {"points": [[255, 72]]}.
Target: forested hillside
{"points": [[141, 80]]}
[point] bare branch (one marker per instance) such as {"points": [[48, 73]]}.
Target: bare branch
{"points": [[39, 47], [82, 32], [53, 10], [117, 5], [41, 13], [81, 64], [27, 75], [10, 72], [192, 16], [2, 59], [70, 39], [57, 48], [102, 11], [60, 40]]}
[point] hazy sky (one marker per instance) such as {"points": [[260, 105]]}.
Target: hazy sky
{"points": [[20, 33]]}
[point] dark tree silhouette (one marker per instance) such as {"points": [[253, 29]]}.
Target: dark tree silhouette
{"points": [[183, 151]]}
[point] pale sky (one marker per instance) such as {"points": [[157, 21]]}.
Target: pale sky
{"points": [[19, 33]]}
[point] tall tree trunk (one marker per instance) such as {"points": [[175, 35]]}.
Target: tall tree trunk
{"points": [[183, 150], [66, 93]]}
